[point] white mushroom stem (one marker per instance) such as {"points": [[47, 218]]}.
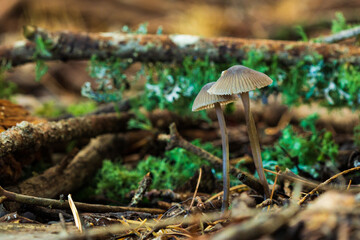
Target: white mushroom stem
{"points": [[225, 150], [254, 142]]}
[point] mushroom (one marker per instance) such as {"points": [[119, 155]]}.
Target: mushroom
{"points": [[205, 101], [240, 80]]}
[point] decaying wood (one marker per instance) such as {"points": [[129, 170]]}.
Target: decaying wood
{"points": [[71, 173], [29, 136], [176, 140], [64, 204], [79, 46]]}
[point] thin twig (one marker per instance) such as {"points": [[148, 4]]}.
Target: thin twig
{"points": [[288, 175], [348, 187], [273, 189], [61, 204], [176, 140], [196, 189], [326, 182], [232, 189], [342, 35]]}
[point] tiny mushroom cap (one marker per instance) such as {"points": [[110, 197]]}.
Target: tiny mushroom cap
{"points": [[204, 100], [239, 79]]}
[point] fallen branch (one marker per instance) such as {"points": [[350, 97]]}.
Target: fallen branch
{"points": [[66, 45], [30, 136], [61, 204], [342, 35], [72, 172], [175, 140]]}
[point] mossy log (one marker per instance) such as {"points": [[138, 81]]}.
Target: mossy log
{"points": [[65, 45]]}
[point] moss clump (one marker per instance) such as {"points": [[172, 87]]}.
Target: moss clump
{"points": [[302, 152], [81, 108], [169, 171], [51, 109]]}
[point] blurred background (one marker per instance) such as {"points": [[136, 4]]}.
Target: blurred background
{"points": [[248, 19]]}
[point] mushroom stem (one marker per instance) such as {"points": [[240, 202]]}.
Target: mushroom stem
{"points": [[225, 150], [254, 142]]}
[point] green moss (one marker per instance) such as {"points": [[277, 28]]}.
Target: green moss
{"points": [[81, 108], [357, 135], [7, 89], [339, 23], [169, 171], [49, 110], [302, 152]]}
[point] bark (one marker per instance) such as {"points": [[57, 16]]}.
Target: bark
{"points": [[32, 136], [164, 48]]}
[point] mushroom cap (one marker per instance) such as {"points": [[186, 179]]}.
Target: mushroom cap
{"points": [[204, 100], [239, 79]]}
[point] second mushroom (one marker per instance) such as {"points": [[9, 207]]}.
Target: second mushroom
{"points": [[204, 101]]}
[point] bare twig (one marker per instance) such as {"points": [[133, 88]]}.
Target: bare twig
{"points": [[342, 35], [274, 185], [66, 45], [326, 182], [30, 136], [196, 189], [61, 204], [309, 184], [176, 140], [232, 189], [143, 187]]}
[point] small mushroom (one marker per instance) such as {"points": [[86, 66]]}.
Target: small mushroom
{"points": [[240, 80], [205, 101]]}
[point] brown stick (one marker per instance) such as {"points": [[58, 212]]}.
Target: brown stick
{"points": [[61, 204], [326, 182], [78, 46], [29, 136], [176, 140]]}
